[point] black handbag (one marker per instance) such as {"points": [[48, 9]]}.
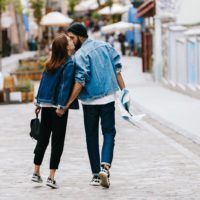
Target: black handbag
{"points": [[35, 128]]}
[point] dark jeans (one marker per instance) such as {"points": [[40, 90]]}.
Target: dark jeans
{"points": [[92, 114], [51, 123]]}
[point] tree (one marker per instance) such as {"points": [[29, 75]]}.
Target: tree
{"points": [[19, 22], [72, 4], [3, 4], [37, 6], [109, 2], [99, 3]]}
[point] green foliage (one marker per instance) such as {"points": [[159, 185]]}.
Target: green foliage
{"points": [[24, 86], [3, 4], [72, 4], [109, 2], [96, 16], [18, 6], [37, 6]]}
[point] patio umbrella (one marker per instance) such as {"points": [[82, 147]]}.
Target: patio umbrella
{"points": [[6, 21], [88, 5], [120, 27], [55, 19], [115, 9]]}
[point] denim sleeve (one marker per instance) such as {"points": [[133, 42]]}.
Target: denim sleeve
{"points": [[39, 90], [116, 59], [81, 69], [67, 83]]}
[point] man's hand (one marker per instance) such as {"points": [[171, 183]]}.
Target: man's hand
{"points": [[60, 112]]}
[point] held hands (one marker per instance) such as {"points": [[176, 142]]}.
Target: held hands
{"points": [[60, 112]]}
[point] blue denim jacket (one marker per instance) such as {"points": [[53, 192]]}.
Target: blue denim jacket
{"points": [[55, 88], [96, 65]]}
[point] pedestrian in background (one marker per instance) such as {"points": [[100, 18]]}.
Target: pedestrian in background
{"points": [[97, 79], [54, 91], [111, 39], [122, 39]]}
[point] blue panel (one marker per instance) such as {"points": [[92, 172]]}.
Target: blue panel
{"points": [[192, 68], [134, 36], [26, 24]]}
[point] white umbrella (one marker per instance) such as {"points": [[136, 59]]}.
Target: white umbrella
{"points": [[6, 21], [115, 9], [55, 19], [88, 5], [120, 27]]}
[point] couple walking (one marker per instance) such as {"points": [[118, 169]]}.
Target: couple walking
{"points": [[93, 75]]}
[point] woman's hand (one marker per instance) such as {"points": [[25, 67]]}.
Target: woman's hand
{"points": [[37, 110], [60, 112]]}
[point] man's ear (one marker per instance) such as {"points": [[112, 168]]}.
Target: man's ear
{"points": [[81, 38]]}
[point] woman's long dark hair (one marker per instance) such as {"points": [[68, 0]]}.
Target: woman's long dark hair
{"points": [[59, 53]]}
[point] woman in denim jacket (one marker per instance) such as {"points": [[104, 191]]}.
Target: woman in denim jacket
{"points": [[54, 90]]}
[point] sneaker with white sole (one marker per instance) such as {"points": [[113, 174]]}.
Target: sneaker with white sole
{"points": [[36, 178], [51, 183], [95, 181], [104, 176]]}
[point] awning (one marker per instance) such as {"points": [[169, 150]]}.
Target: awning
{"points": [[147, 9]]}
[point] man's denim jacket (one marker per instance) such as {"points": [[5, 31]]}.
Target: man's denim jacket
{"points": [[55, 88], [96, 65]]}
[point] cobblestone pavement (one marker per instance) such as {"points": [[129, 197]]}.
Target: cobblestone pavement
{"points": [[147, 164]]}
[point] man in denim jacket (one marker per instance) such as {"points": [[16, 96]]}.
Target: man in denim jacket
{"points": [[97, 79]]}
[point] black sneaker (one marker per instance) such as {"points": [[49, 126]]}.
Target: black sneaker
{"points": [[95, 181], [104, 176], [51, 183], [36, 178]]}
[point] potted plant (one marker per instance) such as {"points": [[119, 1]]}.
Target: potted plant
{"points": [[30, 69], [26, 88]]}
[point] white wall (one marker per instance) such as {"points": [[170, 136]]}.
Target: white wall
{"points": [[188, 11]]}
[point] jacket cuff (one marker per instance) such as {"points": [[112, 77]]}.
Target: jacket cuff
{"points": [[118, 68], [61, 107], [82, 82]]}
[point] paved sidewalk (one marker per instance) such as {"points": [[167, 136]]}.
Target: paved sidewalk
{"points": [[147, 165], [175, 110]]}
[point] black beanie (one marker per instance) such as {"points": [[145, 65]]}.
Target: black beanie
{"points": [[78, 29]]}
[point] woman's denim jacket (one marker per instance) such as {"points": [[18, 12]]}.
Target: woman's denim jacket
{"points": [[96, 65], [55, 87]]}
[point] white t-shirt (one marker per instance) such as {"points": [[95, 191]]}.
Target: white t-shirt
{"points": [[103, 100]]}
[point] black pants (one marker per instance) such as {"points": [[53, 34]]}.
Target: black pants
{"points": [[51, 123]]}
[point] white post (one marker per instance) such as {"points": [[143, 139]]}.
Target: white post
{"points": [[158, 60]]}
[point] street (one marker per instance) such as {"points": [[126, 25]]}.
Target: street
{"points": [[151, 161]]}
